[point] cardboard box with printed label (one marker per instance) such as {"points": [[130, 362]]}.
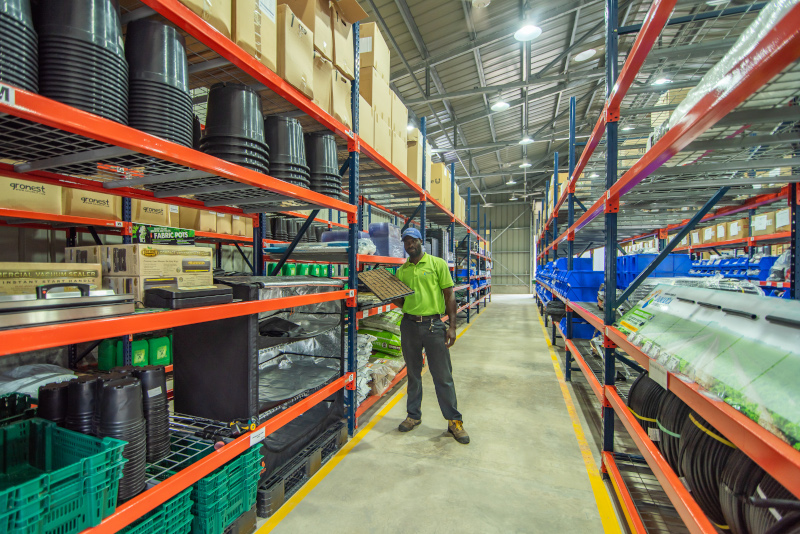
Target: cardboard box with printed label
{"points": [[173, 216], [316, 15], [248, 229], [343, 47], [136, 285], [414, 156], [763, 224], [341, 107], [738, 229], [192, 266], [224, 223], [709, 234], [30, 196], [377, 94], [215, 12], [323, 82], [295, 51], [91, 254], [239, 224], [400, 152], [697, 237], [374, 51], [783, 220], [366, 122], [399, 115], [255, 30], [200, 220], [82, 203], [23, 278], [440, 182], [383, 138], [146, 212], [722, 232]]}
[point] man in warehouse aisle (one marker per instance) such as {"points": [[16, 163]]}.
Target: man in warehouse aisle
{"points": [[422, 327]]}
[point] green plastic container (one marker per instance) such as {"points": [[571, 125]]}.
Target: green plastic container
{"points": [[53, 480], [158, 350], [304, 269], [107, 354], [139, 353], [289, 269], [271, 267], [172, 517]]}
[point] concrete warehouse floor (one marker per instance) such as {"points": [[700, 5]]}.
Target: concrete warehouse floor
{"points": [[523, 472]]}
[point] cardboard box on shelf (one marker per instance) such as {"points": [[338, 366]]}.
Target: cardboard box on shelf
{"points": [[341, 107], [697, 237], [224, 223], [295, 51], [239, 225], [383, 138], [248, 228], [187, 263], [377, 94], [738, 229], [316, 15], [399, 152], [255, 30], [215, 12], [414, 156], [200, 220], [374, 51], [173, 216], [440, 182], [82, 203], [762, 224], [136, 285], [323, 82], [22, 278], [722, 232], [92, 254], [30, 196], [399, 115], [783, 219], [366, 122], [709, 234], [343, 47], [146, 212]]}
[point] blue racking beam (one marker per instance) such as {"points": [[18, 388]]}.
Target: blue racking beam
{"points": [[469, 250], [570, 222], [127, 216], [794, 264], [452, 244], [423, 132]]}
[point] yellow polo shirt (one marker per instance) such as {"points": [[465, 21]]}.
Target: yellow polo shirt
{"points": [[427, 278]]}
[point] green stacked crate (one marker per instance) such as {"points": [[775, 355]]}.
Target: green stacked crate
{"points": [[172, 517], [53, 480], [227, 493]]}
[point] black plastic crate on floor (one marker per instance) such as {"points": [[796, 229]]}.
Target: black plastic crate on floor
{"points": [[278, 488]]}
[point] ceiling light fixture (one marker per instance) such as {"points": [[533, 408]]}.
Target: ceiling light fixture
{"points": [[500, 105], [594, 175], [662, 81], [525, 165], [526, 140], [586, 54], [528, 32], [627, 129], [488, 205], [511, 181], [480, 4], [512, 198]]}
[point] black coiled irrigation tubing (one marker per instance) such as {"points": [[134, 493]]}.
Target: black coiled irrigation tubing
{"points": [[644, 400], [763, 519], [672, 413], [738, 483]]}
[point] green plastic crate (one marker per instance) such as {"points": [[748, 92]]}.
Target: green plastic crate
{"points": [[54, 480], [227, 493], [172, 517]]}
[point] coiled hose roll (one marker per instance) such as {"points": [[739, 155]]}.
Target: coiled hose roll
{"points": [[644, 400], [703, 456], [789, 524], [738, 483], [761, 520], [672, 413]]}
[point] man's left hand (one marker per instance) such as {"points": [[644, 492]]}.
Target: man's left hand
{"points": [[451, 336]]}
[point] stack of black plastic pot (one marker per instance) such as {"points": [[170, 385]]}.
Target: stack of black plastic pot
{"points": [[235, 127], [122, 417], [81, 56], [156, 412], [80, 404], [324, 164], [52, 402], [159, 102], [100, 383], [280, 229], [19, 58], [288, 162]]}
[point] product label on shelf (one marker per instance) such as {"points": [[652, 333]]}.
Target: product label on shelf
{"points": [[659, 375], [174, 209], [161, 235], [760, 222], [258, 436], [8, 94], [654, 434], [782, 218]]}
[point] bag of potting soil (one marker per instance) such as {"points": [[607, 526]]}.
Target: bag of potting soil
{"points": [[385, 342], [389, 321]]}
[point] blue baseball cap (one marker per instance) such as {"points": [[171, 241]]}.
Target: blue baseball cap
{"points": [[412, 232]]}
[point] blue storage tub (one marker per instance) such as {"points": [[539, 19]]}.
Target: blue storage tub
{"points": [[384, 229], [580, 328]]}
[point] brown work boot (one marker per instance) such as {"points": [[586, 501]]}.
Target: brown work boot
{"points": [[457, 429], [408, 424]]}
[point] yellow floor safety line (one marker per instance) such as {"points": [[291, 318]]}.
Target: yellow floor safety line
{"points": [[604, 505], [284, 510]]}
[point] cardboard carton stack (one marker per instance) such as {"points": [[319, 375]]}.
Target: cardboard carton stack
{"points": [[440, 183], [414, 161], [399, 128], [374, 86]]}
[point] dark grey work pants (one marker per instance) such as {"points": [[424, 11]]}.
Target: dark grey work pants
{"points": [[414, 337]]}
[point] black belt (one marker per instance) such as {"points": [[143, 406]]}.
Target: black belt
{"points": [[421, 318]]}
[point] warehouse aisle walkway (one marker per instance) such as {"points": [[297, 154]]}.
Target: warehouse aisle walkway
{"points": [[523, 471]]}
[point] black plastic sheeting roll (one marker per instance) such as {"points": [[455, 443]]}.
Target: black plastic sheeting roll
{"points": [[290, 375]]}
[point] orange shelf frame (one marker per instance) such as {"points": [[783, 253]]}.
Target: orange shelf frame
{"points": [[369, 312], [597, 388], [632, 516], [56, 335], [367, 403]]}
